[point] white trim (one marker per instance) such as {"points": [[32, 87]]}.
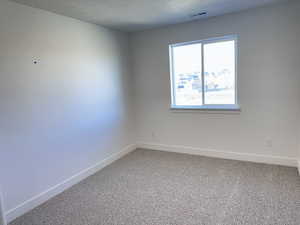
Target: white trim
{"points": [[207, 40], [59, 188], [171, 66], [231, 107], [275, 160]]}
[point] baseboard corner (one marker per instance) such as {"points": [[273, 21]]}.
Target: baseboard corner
{"points": [[39, 199], [248, 157]]}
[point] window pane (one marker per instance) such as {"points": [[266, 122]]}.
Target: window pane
{"points": [[187, 75], [219, 73]]}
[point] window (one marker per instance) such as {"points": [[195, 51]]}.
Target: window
{"points": [[203, 74]]}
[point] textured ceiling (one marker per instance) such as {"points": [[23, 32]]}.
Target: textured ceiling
{"points": [[134, 15]]}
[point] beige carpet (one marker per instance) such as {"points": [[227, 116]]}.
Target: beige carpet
{"points": [[158, 188]]}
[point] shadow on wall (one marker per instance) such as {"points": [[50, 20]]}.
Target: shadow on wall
{"points": [[64, 99]]}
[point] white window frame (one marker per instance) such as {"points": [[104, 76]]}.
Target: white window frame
{"points": [[230, 107]]}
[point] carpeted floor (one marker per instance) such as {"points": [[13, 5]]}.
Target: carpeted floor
{"points": [[158, 188]]}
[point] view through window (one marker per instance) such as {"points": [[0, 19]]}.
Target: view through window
{"points": [[203, 74]]}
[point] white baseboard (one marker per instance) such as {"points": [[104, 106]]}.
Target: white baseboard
{"points": [[275, 160], [59, 188]]}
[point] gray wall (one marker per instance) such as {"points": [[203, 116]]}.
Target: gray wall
{"points": [[268, 83], [67, 112], [75, 107]]}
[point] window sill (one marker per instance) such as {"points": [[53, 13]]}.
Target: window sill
{"points": [[232, 109]]}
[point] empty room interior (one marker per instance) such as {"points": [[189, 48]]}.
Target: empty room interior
{"points": [[138, 112]]}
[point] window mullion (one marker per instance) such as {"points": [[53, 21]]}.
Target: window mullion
{"points": [[202, 73]]}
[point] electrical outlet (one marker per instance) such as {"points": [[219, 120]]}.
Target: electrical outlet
{"points": [[268, 143], [153, 136]]}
